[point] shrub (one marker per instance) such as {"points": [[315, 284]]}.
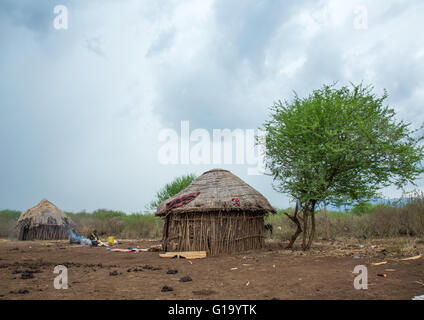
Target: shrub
{"points": [[171, 189], [8, 220], [142, 226], [362, 208]]}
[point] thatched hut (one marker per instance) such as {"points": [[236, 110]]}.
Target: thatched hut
{"points": [[217, 213], [45, 221]]}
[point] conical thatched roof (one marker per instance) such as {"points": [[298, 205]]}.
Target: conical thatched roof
{"points": [[44, 213], [217, 188]]}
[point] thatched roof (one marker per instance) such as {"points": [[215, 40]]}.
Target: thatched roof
{"points": [[217, 188], [44, 213]]}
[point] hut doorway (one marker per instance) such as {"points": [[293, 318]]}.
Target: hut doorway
{"points": [[25, 233]]}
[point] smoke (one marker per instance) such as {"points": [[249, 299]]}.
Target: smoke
{"points": [[77, 238]]}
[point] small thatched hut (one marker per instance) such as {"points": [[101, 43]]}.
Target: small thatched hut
{"points": [[45, 221], [217, 213]]}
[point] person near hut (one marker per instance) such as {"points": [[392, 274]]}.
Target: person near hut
{"points": [[94, 238]]}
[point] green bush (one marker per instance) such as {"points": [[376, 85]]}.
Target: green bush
{"points": [[107, 214], [171, 189], [10, 214], [142, 226], [118, 224], [362, 208], [8, 220]]}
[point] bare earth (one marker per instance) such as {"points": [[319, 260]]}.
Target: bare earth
{"points": [[324, 273]]}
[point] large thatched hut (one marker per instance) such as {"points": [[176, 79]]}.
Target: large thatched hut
{"points": [[218, 213], [45, 221]]}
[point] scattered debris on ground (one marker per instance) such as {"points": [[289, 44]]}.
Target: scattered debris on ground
{"points": [[186, 279], [204, 292], [166, 289], [412, 258], [27, 275], [171, 271], [184, 255], [20, 291], [273, 273]]}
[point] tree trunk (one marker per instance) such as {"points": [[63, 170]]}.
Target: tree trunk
{"points": [[312, 233], [296, 221], [308, 212], [296, 234], [305, 228]]}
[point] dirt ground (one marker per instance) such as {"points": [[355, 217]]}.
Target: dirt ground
{"points": [[26, 272]]}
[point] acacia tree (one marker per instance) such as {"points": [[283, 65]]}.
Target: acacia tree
{"points": [[171, 189], [337, 146]]}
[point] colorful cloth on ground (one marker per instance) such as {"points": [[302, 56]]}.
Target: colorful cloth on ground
{"points": [[181, 200]]}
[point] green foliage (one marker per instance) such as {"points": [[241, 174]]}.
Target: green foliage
{"points": [[142, 226], [362, 208], [118, 224], [107, 214], [8, 220], [79, 215], [171, 189], [9, 215], [332, 213], [339, 145]]}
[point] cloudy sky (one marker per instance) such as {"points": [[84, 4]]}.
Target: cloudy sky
{"points": [[82, 108]]}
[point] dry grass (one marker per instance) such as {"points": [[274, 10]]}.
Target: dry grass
{"points": [[405, 218], [8, 220], [374, 249], [118, 224]]}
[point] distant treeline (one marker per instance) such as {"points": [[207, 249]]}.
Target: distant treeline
{"points": [[105, 222], [404, 217]]}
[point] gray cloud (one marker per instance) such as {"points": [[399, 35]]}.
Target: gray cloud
{"points": [[82, 130], [33, 15], [94, 44], [163, 42]]}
